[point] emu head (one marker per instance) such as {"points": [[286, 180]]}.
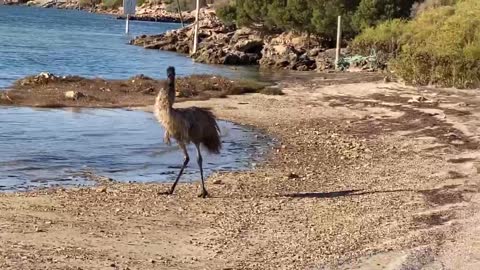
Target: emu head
{"points": [[171, 73], [169, 88]]}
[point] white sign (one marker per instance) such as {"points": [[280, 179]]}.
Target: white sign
{"points": [[129, 7]]}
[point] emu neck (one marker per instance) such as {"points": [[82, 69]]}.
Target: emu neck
{"points": [[170, 87], [165, 99]]}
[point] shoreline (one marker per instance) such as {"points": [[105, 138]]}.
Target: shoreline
{"points": [[47, 90], [152, 13], [227, 45], [357, 179]]}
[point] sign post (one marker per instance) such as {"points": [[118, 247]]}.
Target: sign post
{"points": [[129, 7]]}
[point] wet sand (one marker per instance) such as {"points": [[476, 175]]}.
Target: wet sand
{"points": [[366, 176]]}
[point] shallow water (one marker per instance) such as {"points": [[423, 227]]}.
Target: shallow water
{"points": [[56, 147], [51, 147]]}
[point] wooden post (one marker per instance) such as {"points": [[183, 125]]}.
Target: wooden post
{"points": [[180, 13], [195, 36], [339, 41]]}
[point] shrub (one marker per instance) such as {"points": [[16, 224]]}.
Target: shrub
{"points": [[442, 46], [112, 3], [185, 5], [420, 7], [226, 11], [88, 3], [386, 39]]}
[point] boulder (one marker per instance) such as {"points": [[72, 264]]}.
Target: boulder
{"points": [[249, 46], [41, 78], [291, 51]]}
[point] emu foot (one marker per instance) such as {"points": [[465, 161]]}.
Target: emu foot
{"points": [[204, 194]]}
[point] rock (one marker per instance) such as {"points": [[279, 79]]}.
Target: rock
{"points": [[291, 51], [249, 46], [48, 4], [293, 176], [422, 99], [41, 78], [247, 40], [31, 3], [75, 95], [217, 182], [222, 44], [4, 96], [46, 75], [102, 189], [218, 43], [314, 52]]}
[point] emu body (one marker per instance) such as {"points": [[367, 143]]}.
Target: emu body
{"points": [[186, 125]]}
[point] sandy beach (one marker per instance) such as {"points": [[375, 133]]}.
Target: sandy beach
{"points": [[366, 175]]}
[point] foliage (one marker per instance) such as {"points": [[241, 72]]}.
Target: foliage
{"points": [[185, 5], [318, 17], [385, 37], [296, 15], [372, 12], [87, 3], [226, 11], [443, 47], [112, 3], [425, 5], [325, 17], [440, 46], [250, 12]]}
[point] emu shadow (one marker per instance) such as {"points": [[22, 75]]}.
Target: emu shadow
{"points": [[342, 193]]}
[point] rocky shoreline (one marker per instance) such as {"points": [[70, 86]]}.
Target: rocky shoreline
{"points": [[228, 45], [163, 18], [220, 43], [145, 12]]}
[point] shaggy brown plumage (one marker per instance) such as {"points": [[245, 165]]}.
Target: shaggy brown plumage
{"points": [[188, 125]]}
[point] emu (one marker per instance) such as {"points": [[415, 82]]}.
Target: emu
{"points": [[189, 125]]}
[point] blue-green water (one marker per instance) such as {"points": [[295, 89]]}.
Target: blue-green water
{"points": [[34, 40], [54, 147]]}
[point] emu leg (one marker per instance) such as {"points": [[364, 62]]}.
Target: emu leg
{"points": [[200, 161], [185, 163]]}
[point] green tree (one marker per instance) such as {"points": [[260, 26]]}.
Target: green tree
{"points": [[250, 12], [371, 12], [298, 16], [325, 14]]}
